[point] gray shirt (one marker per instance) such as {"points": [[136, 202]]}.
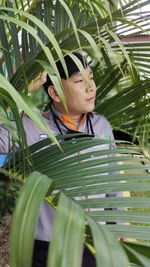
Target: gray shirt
{"points": [[101, 128]]}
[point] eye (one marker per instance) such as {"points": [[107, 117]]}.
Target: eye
{"points": [[79, 81]]}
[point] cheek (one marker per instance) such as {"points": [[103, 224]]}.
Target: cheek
{"points": [[70, 99], [75, 101], [94, 87]]}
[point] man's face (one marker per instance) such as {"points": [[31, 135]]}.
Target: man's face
{"points": [[80, 93]]}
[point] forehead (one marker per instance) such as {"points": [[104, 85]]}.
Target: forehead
{"points": [[87, 71]]}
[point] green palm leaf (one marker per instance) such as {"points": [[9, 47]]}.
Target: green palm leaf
{"points": [[108, 45], [68, 253], [122, 96], [25, 216], [80, 176]]}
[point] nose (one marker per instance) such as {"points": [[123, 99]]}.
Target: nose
{"points": [[89, 86]]}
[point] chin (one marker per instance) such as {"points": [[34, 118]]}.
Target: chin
{"points": [[90, 109]]}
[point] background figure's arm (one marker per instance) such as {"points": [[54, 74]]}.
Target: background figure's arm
{"points": [[4, 139], [4, 144], [40, 80]]}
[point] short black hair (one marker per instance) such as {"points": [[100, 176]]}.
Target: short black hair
{"points": [[71, 67]]}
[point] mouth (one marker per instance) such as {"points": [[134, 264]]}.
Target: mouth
{"points": [[90, 99]]}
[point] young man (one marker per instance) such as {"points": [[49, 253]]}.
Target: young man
{"points": [[80, 96]]}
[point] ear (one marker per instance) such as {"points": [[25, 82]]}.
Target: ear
{"points": [[53, 94]]}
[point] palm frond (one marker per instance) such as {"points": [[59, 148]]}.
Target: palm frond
{"points": [[80, 176], [103, 45], [66, 219]]}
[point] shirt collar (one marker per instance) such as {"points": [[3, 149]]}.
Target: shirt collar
{"points": [[65, 119]]}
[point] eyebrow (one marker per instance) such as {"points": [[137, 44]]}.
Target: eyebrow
{"points": [[79, 73]]}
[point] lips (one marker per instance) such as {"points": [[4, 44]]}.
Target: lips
{"points": [[90, 98]]}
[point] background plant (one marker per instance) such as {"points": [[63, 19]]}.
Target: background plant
{"points": [[122, 95]]}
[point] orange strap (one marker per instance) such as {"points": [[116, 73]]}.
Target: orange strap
{"points": [[66, 119]]}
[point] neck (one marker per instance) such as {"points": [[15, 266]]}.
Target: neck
{"points": [[72, 117]]}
